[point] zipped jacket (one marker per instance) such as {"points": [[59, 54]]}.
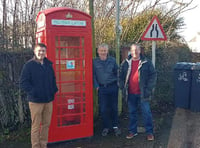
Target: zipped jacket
{"points": [[104, 72], [146, 73], [38, 81]]}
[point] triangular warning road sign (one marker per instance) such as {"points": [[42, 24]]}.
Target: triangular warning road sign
{"points": [[154, 31]]}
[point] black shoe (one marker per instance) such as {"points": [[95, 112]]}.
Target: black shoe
{"points": [[105, 132], [117, 131]]}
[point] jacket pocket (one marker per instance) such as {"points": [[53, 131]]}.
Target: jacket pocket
{"points": [[147, 93], [30, 93], [37, 93]]}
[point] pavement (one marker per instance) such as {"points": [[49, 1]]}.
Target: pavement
{"points": [[185, 131], [179, 129]]}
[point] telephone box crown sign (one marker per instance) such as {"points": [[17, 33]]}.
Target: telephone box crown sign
{"points": [[68, 15]]}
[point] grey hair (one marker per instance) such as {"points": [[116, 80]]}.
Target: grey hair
{"points": [[103, 45]]}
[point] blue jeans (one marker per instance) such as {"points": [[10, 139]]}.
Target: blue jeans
{"points": [[134, 102], [108, 104]]}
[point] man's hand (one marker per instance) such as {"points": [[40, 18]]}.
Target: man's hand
{"points": [[97, 89]]}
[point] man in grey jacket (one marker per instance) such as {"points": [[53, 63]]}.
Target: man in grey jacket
{"points": [[105, 71], [137, 79]]}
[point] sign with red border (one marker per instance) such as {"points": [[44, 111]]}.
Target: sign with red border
{"points": [[154, 31]]}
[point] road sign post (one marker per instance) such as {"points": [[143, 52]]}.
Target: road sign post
{"points": [[154, 32], [154, 53]]}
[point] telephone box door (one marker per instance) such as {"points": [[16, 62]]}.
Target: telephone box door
{"points": [[72, 110]]}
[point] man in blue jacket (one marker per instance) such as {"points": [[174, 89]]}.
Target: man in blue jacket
{"points": [[38, 81], [105, 81]]}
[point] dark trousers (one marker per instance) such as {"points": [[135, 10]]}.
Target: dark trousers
{"points": [[108, 104]]}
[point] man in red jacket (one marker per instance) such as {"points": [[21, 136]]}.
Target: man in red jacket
{"points": [[38, 81]]}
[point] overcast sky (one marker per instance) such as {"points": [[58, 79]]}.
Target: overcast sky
{"points": [[192, 21]]}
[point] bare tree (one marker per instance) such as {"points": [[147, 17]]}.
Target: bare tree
{"points": [[104, 14], [18, 20], [15, 37], [4, 25]]}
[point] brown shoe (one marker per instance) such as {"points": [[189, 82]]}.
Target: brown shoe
{"points": [[131, 135], [150, 137]]}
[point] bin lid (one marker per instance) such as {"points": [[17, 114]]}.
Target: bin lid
{"points": [[184, 65], [196, 66]]}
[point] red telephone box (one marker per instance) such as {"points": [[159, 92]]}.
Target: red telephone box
{"points": [[68, 36]]}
